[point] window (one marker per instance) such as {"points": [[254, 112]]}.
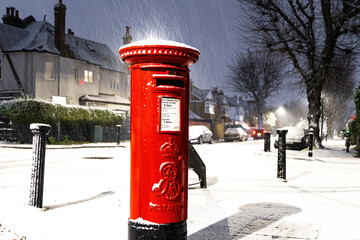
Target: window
{"points": [[209, 108], [112, 82], [88, 76], [49, 70], [225, 111], [75, 75], [0, 68]]}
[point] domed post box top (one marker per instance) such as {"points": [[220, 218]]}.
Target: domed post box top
{"points": [[159, 51]]}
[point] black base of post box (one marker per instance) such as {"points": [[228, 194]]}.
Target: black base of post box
{"points": [[171, 231]]}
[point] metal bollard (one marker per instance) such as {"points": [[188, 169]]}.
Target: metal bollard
{"points": [[38, 163], [311, 142], [281, 170], [267, 142], [118, 127], [196, 164]]}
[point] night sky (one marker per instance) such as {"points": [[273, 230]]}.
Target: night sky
{"points": [[212, 26], [208, 25]]}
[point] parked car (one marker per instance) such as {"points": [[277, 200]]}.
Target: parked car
{"points": [[200, 134], [232, 134], [257, 133], [296, 138]]}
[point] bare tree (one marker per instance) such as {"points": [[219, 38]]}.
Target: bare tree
{"points": [[337, 91], [257, 74], [308, 33]]}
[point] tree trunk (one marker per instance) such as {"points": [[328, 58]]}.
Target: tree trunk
{"points": [[259, 105], [314, 99], [329, 131]]}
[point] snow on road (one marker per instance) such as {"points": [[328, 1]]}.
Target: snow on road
{"points": [[87, 194]]}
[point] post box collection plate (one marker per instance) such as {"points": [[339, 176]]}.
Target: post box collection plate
{"points": [[170, 114]]}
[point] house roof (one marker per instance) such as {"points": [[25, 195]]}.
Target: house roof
{"points": [[105, 98], [194, 116], [39, 36], [203, 94], [236, 101], [221, 98]]}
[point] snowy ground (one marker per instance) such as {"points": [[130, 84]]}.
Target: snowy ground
{"points": [[87, 194]]}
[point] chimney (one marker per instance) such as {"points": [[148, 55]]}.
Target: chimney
{"points": [[12, 18], [127, 38], [59, 25], [59, 16]]}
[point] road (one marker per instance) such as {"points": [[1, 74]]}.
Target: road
{"points": [[86, 194], [317, 201]]}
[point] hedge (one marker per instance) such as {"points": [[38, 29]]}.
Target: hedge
{"points": [[355, 126], [76, 122]]}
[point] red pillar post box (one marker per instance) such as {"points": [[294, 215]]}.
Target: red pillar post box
{"points": [[159, 137]]}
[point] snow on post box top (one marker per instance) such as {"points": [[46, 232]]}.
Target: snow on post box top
{"points": [[159, 51]]}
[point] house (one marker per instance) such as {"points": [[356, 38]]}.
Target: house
{"points": [[202, 103], [237, 108], [40, 60], [212, 108], [221, 105]]}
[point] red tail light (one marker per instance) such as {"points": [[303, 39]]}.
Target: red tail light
{"points": [[253, 132]]}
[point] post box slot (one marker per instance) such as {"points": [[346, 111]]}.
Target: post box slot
{"points": [[168, 82]]}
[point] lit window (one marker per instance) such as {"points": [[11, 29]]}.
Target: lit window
{"points": [[88, 76], [209, 108], [49, 70]]}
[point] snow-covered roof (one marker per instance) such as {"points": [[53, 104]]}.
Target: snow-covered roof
{"points": [[233, 101], [194, 116], [236, 101], [108, 98], [39, 36], [221, 98], [203, 94]]}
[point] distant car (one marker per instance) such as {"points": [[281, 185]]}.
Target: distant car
{"points": [[237, 133], [257, 133], [296, 138], [200, 134]]}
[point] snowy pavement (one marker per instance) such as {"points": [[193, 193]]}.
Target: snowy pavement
{"points": [[87, 194]]}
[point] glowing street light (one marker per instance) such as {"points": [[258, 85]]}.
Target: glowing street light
{"points": [[281, 110]]}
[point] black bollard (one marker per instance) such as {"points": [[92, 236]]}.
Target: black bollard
{"points": [[347, 140], [311, 142], [267, 142], [38, 163], [197, 165], [118, 127], [281, 170]]}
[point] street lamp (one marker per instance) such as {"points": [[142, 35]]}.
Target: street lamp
{"points": [[281, 110]]}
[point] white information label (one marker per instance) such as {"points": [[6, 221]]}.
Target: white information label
{"points": [[170, 114]]}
